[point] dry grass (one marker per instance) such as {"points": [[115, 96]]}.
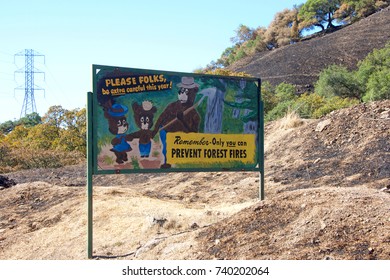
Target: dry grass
{"points": [[290, 120], [18, 158]]}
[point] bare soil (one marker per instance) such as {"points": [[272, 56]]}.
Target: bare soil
{"points": [[327, 196]]}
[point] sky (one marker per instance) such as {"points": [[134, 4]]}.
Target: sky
{"points": [[72, 35]]}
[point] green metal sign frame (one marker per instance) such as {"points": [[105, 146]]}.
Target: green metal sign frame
{"points": [[132, 125]]}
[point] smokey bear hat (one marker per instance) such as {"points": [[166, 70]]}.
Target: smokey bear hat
{"points": [[187, 82], [118, 110]]}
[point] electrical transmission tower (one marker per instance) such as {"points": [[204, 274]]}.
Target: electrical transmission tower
{"points": [[29, 84]]}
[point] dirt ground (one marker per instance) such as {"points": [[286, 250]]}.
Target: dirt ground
{"points": [[327, 196]]}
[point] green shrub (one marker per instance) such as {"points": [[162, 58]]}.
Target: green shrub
{"points": [[338, 81], [376, 61], [268, 96], [378, 86], [285, 92], [42, 136], [310, 106], [332, 104], [280, 110], [308, 103]]}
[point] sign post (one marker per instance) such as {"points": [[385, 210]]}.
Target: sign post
{"points": [[144, 121], [89, 174]]}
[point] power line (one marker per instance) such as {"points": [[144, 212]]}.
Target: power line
{"points": [[5, 73], [3, 52], [55, 80], [4, 61]]}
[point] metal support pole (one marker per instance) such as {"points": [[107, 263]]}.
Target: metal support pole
{"points": [[90, 174], [261, 140]]}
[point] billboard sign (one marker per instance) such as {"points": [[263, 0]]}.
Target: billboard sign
{"points": [[149, 120], [156, 121]]}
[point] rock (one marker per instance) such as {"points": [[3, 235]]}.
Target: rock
{"points": [[322, 125], [159, 221], [385, 115], [386, 189], [5, 182], [34, 225], [194, 226]]}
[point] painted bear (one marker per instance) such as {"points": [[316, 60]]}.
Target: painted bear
{"points": [[143, 116], [179, 115], [117, 125]]}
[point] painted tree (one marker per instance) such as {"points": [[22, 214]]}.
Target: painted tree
{"points": [[214, 109], [245, 102]]}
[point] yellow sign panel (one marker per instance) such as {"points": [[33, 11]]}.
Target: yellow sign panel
{"points": [[201, 148]]}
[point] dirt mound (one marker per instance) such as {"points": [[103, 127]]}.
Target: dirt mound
{"points": [[327, 196], [300, 64], [321, 223], [346, 147]]}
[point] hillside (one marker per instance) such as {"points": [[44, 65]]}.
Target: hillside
{"points": [[301, 63], [327, 197]]}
